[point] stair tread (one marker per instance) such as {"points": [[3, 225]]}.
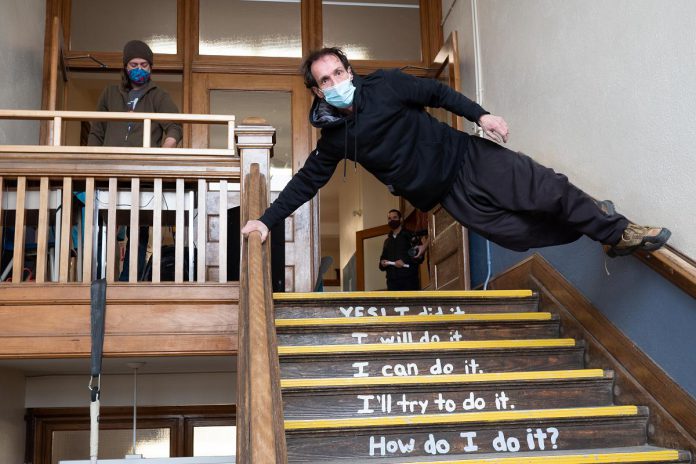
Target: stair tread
{"points": [[468, 417], [415, 319], [433, 346], [629, 454], [391, 295], [462, 379]]}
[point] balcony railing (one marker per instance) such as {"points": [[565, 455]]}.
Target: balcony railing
{"points": [[64, 209]]}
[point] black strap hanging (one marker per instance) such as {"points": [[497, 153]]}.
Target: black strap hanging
{"points": [[98, 316]]}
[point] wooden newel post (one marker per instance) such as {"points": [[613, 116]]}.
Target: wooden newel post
{"points": [[260, 425], [255, 140]]}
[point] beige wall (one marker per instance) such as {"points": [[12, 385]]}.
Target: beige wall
{"points": [[117, 390], [601, 91], [12, 427], [21, 61], [363, 203]]}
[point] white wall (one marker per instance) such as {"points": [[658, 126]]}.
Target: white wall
{"points": [[117, 390], [12, 427], [601, 91], [363, 203], [21, 61]]}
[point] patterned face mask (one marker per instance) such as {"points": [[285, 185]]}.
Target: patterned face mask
{"points": [[138, 76]]}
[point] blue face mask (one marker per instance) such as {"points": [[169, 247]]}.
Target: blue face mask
{"points": [[340, 95], [138, 76]]}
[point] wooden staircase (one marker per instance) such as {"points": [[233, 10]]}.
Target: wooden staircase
{"points": [[446, 377]]}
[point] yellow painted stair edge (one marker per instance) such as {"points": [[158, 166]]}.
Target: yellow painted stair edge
{"points": [[443, 379], [587, 458], [483, 416], [435, 346], [371, 320], [406, 294]]}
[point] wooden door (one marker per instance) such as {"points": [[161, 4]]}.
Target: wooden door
{"points": [[253, 95], [449, 244]]}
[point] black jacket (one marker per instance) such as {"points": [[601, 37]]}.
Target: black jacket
{"points": [[115, 133], [391, 135], [396, 248]]}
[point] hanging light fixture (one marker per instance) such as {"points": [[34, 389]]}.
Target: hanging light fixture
{"points": [[135, 366]]}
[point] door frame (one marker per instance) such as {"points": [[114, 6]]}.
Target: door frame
{"points": [[302, 227]]}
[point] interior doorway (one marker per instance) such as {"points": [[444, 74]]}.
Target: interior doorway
{"points": [[282, 102]]}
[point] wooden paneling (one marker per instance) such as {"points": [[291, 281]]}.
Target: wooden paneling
{"points": [[141, 319]]}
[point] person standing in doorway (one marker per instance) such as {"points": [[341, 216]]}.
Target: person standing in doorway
{"points": [[401, 255]]}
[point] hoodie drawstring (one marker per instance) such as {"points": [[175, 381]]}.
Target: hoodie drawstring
{"points": [[345, 147], [355, 133]]}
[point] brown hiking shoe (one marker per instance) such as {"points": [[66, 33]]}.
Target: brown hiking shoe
{"points": [[637, 237]]}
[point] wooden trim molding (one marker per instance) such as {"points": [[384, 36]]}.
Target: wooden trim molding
{"points": [[639, 380], [673, 266]]}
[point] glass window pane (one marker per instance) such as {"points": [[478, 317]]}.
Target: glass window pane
{"points": [[389, 29], [250, 28], [104, 25], [275, 107], [219, 440], [113, 444]]}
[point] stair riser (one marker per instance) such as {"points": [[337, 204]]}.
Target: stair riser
{"points": [[315, 446], [401, 365], [351, 309], [444, 399], [450, 332]]}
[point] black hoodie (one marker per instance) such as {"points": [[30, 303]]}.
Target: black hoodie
{"points": [[391, 135]]}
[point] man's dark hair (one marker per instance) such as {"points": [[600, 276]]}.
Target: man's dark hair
{"points": [[395, 211], [309, 80]]}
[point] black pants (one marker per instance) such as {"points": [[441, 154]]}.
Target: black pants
{"points": [[519, 204], [411, 282]]}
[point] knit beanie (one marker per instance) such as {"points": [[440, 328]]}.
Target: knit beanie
{"points": [[136, 49]]}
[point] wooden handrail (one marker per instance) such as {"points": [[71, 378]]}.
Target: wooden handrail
{"points": [[260, 429], [673, 266], [44, 115], [59, 116]]}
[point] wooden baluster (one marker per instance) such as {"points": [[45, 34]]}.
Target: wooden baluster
{"points": [[112, 258], [191, 201], [88, 260], [57, 131], [20, 218], [133, 238], [179, 238], [157, 231], [222, 230], [202, 226], [2, 230], [65, 229], [147, 134], [42, 232]]}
